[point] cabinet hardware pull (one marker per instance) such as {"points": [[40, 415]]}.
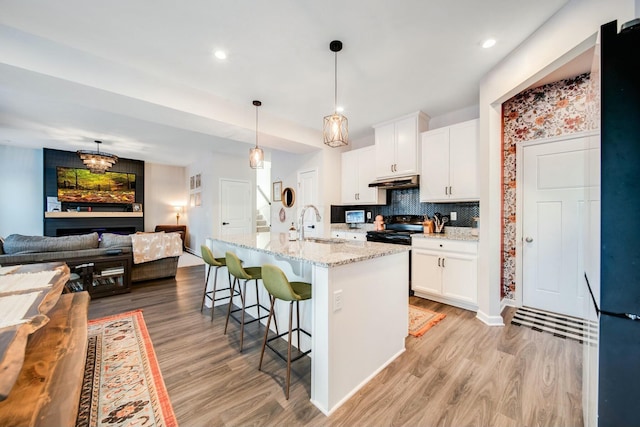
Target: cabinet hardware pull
{"points": [[225, 223], [446, 191], [528, 239], [450, 192], [443, 262], [438, 261]]}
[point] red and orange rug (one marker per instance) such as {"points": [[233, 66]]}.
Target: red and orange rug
{"points": [[123, 384], [421, 320]]}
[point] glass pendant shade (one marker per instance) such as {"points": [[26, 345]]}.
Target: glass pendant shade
{"points": [[335, 130], [256, 155], [256, 158], [97, 161]]}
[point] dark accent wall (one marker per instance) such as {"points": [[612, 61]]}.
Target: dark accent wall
{"points": [[60, 226], [407, 202], [619, 346]]}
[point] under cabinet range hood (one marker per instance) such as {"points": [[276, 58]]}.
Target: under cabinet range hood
{"points": [[412, 181]]}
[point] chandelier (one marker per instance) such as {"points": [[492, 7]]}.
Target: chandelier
{"points": [[335, 130], [256, 155], [96, 161]]}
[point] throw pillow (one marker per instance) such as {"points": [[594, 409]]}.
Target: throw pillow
{"points": [[18, 244], [111, 240]]}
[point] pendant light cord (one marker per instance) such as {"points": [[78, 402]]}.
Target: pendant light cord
{"points": [[335, 98], [256, 126]]}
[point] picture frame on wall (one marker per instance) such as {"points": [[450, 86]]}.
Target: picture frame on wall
{"points": [[192, 200], [277, 191], [198, 199], [198, 181], [192, 182]]}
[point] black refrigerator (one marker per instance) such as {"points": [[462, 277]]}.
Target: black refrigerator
{"points": [[619, 346]]}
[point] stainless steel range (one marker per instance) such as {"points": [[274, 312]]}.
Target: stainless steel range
{"points": [[398, 231]]}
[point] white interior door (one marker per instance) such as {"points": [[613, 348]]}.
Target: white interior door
{"points": [[235, 207], [553, 221], [308, 195]]}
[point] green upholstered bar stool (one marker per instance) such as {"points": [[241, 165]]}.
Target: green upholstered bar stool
{"points": [[216, 263], [279, 287], [234, 265]]}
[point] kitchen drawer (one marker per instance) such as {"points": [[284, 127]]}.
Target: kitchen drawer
{"points": [[445, 245], [338, 234]]}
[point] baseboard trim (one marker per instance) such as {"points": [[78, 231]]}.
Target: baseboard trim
{"points": [[507, 302], [489, 320]]}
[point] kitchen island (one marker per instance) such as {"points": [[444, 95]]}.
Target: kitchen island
{"points": [[358, 314]]}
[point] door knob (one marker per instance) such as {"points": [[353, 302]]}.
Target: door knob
{"points": [[225, 223], [528, 239]]}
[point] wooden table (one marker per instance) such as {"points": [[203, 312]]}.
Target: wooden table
{"points": [[42, 360]]}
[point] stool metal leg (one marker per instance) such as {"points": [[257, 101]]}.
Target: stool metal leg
{"points": [[213, 294], [289, 349], [266, 332], [206, 283], [233, 288]]}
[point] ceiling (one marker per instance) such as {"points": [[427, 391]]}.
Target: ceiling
{"points": [[141, 76]]}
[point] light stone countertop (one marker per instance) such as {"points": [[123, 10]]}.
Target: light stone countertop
{"points": [[321, 254], [450, 233]]}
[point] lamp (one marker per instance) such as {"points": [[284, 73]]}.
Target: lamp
{"points": [[96, 161], [256, 155], [335, 130], [178, 209]]}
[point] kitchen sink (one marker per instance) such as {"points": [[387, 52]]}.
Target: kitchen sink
{"points": [[323, 240]]}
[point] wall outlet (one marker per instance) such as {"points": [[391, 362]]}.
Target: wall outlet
{"points": [[453, 216], [368, 214], [337, 300]]}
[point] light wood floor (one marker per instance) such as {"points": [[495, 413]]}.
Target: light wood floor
{"points": [[460, 373]]}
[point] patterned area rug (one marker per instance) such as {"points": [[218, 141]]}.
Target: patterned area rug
{"points": [[122, 384], [421, 320], [583, 331]]}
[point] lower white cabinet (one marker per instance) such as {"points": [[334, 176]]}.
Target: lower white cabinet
{"points": [[445, 271], [349, 235]]}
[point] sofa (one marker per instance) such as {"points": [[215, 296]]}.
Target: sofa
{"points": [[19, 249]]}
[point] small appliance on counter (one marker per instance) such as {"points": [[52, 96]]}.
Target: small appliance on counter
{"points": [[354, 218]]}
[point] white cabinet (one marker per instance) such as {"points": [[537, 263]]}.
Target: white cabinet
{"points": [[445, 271], [349, 235], [397, 145], [358, 171], [449, 163]]}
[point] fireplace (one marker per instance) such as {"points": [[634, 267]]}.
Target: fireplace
{"points": [[99, 230]]}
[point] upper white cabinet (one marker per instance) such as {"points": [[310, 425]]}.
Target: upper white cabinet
{"points": [[450, 163], [358, 170], [397, 145]]}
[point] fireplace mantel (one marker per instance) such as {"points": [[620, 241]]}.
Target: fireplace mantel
{"points": [[93, 214]]}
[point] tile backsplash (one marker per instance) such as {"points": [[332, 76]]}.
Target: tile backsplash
{"points": [[407, 202]]}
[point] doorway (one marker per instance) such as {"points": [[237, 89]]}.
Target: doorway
{"points": [[308, 195], [235, 207], [552, 225]]}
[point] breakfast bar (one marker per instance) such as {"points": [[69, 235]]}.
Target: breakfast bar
{"points": [[358, 314]]}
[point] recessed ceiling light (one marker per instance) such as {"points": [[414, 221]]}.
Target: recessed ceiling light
{"points": [[220, 54], [488, 43]]}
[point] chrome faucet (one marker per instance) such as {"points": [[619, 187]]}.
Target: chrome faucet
{"points": [[301, 219]]}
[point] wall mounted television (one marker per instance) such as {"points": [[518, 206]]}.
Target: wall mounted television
{"points": [[81, 186]]}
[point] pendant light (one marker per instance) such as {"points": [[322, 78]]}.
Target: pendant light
{"points": [[97, 161], [335, 130], [256, 155]]}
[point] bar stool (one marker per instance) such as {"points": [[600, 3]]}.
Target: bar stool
{"points": [[280, 288], [234, 265], [216, 263]]}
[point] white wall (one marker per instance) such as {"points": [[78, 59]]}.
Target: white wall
{"points": [[453, 117], [285, 168], [164, 187], [564, 36], [21, 191], [204, 220]]}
